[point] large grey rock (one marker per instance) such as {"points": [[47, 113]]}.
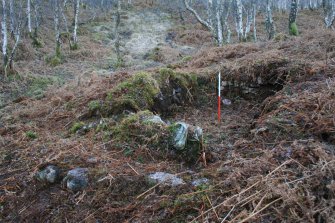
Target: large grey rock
{"points": [[179, 132], [50, 174], [166, 178], [77, 179]]}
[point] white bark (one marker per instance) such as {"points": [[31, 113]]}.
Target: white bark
{"points": [[239, 19], [202, 21], [11, 16], [76, 13], [254, 12], [248, 24], [4, 33], [29, 16], [270, 28], [64, 16], [57, 28], [329, 9], [219, 29]]}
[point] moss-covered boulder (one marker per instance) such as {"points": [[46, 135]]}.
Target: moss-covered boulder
{"points": [[137, 93], [146, 91], [181, 139], [142, 127], [186, 140]]}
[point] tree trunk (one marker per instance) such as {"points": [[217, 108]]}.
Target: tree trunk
{"points": [[76, 14], [61, 9], [293, 29], [57, 28], [200, 20], [4, 34], [254, 12], [329, 9], [29, 16], [239, 19], [270, 27], [11, 16]]}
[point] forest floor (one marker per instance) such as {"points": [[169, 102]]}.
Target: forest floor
{"points": [[270, 159]]}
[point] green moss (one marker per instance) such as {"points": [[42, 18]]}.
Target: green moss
{"points": [[74, 46], [54, 61], [279, 37], [186, 59], [294, 29], [39, 84], [76, 126], [134, 128], [155, 55], [94, 105], [168, 78], [37, 42], [136, 93], [31, 135]]}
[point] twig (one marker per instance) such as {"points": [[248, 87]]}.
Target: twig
{"points": [[133, 169], [231, 210], [254, 214], [210, 202], [145, 192], [239, 194]]}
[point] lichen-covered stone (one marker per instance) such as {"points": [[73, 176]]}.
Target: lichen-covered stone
{"points": [[77, 179], [50, 174], [166, 179], [179, 132]]}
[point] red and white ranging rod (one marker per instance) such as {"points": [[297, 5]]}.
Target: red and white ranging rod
{"points": [[219, 96]]}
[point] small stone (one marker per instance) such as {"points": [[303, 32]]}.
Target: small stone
{"points": [[92, 160], [226, 102], [77, 179], [199, 182], [50, 174], [166, 178]]}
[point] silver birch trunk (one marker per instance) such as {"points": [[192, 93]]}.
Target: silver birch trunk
{"points": [[200, 20], [29, 16], [269, 24], [10, 63], [76, 14], [239, 19], [64, 16], [219, 28], [329, 9], [4, 34], [248, 24], [254, 12], [11, 17], [57, 28]]}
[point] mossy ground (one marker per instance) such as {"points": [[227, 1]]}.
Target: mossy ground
{"points": [[136, 129]]}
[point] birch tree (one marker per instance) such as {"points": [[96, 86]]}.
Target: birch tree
{"points": [[329, 11], [76, 7], [11, 17], [57, 32], [269, 24], [4, 34], [29, 17], [17, 37], [293, 28], [239, 19]]}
